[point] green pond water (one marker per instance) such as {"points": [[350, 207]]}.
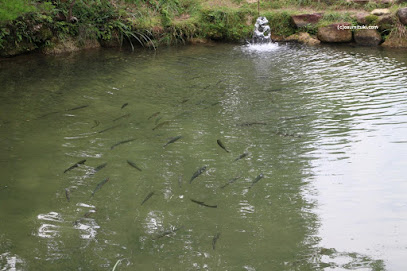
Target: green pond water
{"points": [[326, 128]]}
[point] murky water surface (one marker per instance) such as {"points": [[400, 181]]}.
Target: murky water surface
{"points": [[326, 128]]}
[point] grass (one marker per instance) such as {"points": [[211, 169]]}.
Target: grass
{"points": [[12, 9]]}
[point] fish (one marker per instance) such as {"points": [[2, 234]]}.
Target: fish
{"points": [[230, 181], [148, 197], [96, 169], [215, 238], [161, 124], [165, 233], [110, 128], [75, 165], [184, 101], [124, 105], [154, 115], [96, 124], [275, 89], [99, 186], [204, 204], [221, 145], [252, 123], [42, 116], [88, 214], [157, 120], [243, 155], [172, 140], [197, 173], [133, 165], [121, 142], [212, 104], [76, 108], [124, 116], [258, 178], [4, 187], [68, 194], [180, 181]]}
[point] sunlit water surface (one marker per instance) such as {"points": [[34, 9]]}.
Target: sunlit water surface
{"points": [[326, 127]]}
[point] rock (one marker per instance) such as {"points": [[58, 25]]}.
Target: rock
{"points": [[386, 23], [69, 45], [385, 2], [402, 14], [11, 48], [359, 2], [367, 37], [361, 17], [380, 11], [306, 38], [393, 41], [335, 33], [305, 19]]}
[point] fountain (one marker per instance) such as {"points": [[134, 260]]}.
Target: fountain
{"points": [[261, 31]]}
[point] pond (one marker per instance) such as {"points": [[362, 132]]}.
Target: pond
{"points": [[212, 157]]}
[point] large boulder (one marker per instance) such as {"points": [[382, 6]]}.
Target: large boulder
{"points": [[305, 19], [393, 41], [337, 32], [367, 37], [303, 37], [386, 22], [402, 14], [361, 17], [380, 11]]}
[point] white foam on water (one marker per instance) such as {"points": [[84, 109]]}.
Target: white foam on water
{"points": [[260, 47]]}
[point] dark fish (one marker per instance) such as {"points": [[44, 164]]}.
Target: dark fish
{"points": [[124, 105], [157, 120], [221, 145], [96, 169], [55, 112], [76, 165], [76, 108], [293, 117], [258, 178], [4, 187], [124, 116], [243, 155], [204, 204], [88, 214], [161, 124], [165, 233], [275, 89], [121, 142], [96, 124], [172, 140], [110, 128], [68, 194], [252, 123], [285, 134], [184, 101], [229, 182], [154, 115], [180, 181], [133, 165], [99, 186], [215, 238], [197, 173], [148, 197]]}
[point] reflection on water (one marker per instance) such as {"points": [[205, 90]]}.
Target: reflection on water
{"points": [[327, 131]]}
